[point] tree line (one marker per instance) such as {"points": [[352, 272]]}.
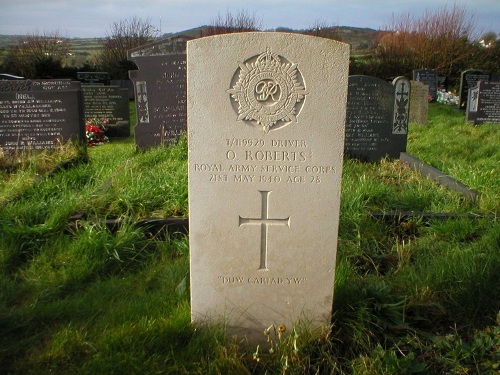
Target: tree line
{"points": [[446, 40]]}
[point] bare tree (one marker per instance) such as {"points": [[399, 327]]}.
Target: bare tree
{"points": [[240, 22], [439, 40], [38, 55], [124, 35]]}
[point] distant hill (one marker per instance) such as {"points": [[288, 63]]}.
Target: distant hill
{"points": [[362, 41]]}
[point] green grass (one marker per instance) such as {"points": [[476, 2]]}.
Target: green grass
{"points": [[468, 153], [416, 296]]}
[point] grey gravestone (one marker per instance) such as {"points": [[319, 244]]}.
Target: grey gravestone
{"points": [[108, 103], [266, 115], [419, 102], [430, 78], [93, 78], [40, 114], [484, 103], [160, 91], [377, 118], [469, 80]]}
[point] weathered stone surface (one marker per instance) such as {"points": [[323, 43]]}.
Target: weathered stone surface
{"points": [[419, 103], [266, 132], [40, 114]]}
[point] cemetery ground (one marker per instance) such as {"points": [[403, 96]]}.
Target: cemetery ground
{"points": [[414, 295]]}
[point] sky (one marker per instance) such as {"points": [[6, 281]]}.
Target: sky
{"points": [[93, 18]]}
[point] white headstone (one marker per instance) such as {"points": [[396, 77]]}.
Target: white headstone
{"points": [[266, 115]]}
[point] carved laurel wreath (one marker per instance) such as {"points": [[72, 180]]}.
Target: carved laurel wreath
{"points": [[268, 91]]}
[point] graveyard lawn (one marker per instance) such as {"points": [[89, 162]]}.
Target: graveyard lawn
{"points": [[416, 295]]}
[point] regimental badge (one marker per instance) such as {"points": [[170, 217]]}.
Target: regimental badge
{"points": [[268, 90]]}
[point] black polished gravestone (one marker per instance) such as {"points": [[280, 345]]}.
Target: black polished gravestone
{"points": [[124, 84], [40, 114], [484, 103], [442, 82], [469, 80], [428, 77], [109, 103], [160, 91], [377, 118]]}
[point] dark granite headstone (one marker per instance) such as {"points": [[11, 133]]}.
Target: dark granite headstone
{"points": [[419, 102], [442, 83], [124, 84], [160, 91], [430, 78], [377, 118], [108, 103], [469, 80], [40, 114], [93, 78], [495, 77], [484, 104]]}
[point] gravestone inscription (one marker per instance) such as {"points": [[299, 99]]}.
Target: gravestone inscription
{"points": [[40, 114], [484, 103], [265, 136], [419, 103], [160, 91], [469, 80], [377, 118], [108, 103], [430, 78]]}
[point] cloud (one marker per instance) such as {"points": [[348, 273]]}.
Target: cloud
{"points": [[92, 18]]}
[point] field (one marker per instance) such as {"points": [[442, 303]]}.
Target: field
{"points": [[81, 50], [362, 41], [412, 296]]}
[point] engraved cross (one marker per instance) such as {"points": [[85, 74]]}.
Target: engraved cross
{"points": [[403, 92], [264, 221]]}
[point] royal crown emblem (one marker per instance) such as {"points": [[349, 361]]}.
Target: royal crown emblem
{"points": [[268, 90]]}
